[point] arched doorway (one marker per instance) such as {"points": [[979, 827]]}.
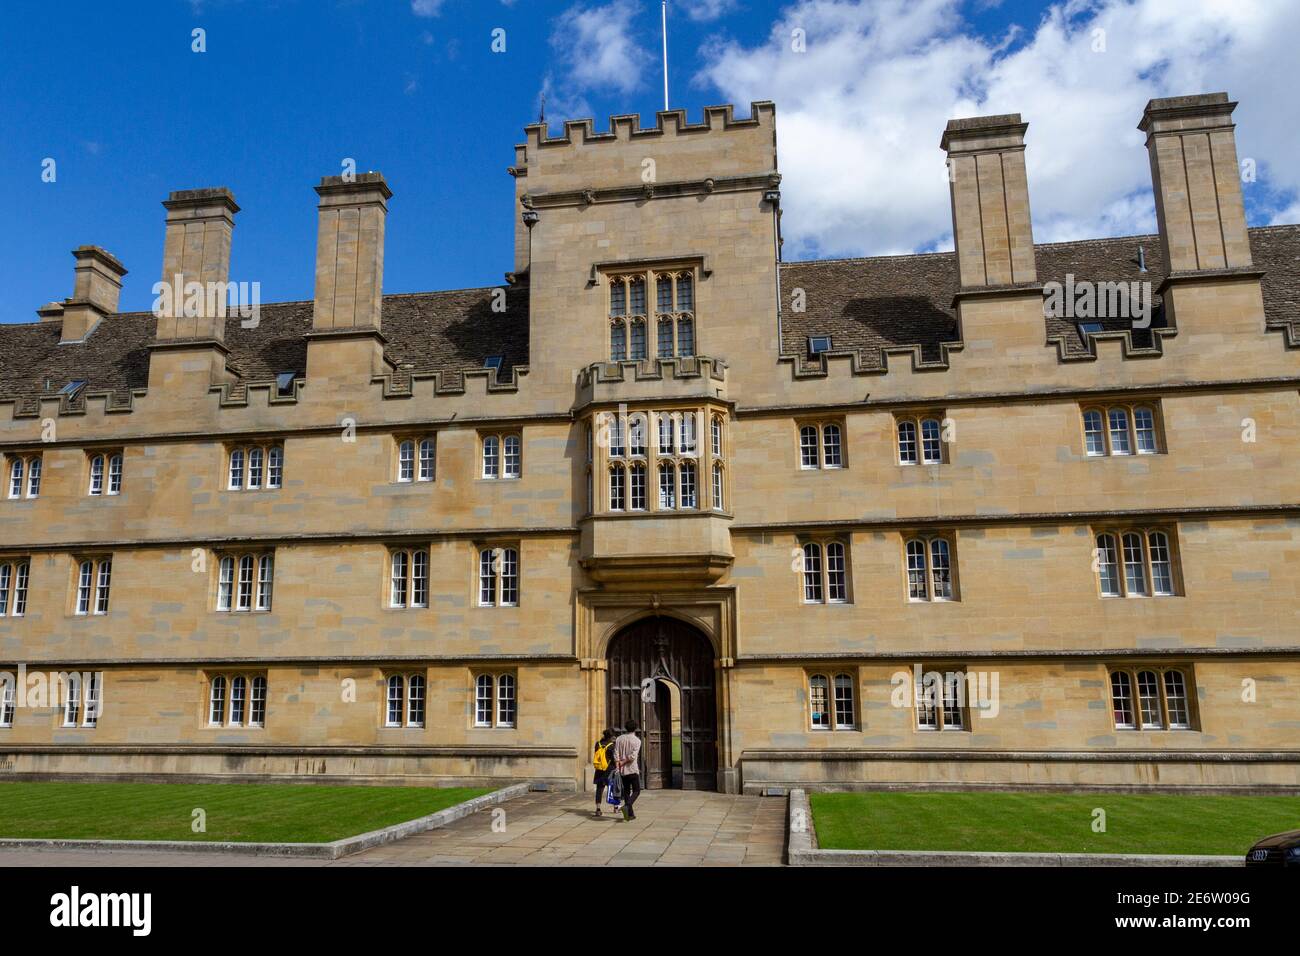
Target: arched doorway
{"points": [[672, 662]]}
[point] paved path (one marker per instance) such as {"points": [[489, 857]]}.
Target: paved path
{"points": [[673, 828]]}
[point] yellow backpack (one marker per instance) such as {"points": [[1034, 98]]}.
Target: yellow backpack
{"points": [[600, 759]]}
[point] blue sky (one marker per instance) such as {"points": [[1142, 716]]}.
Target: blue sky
{"points": [[286, 90]]}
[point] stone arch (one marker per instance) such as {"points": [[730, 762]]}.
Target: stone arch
{"points": [[663, 646]]}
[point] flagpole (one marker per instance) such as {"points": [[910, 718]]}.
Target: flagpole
{"points": [[664, 9]]}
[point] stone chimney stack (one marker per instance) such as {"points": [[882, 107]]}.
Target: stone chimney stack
{"points": [[196, 248], [990, 200], [96, 285], [345, 347], [350, 252], [1197, 182]]}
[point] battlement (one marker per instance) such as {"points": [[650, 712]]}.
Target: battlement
{"points": [[672, 150], [655, 380], [626, 125]]}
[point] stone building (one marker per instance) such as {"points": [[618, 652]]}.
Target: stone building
{"points": [[868, 522]]}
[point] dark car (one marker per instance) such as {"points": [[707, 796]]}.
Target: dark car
{"points": [[1280, 849]]}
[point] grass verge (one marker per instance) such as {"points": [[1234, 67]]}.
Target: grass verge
{"points": [[1049, 823], [245, 813]]}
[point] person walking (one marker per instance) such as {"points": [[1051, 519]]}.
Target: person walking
{"points": [[602, 759], [627, 753]]}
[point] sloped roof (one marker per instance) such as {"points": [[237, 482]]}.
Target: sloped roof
{"points": [[865, 305], [447, 332], [884, 302]]}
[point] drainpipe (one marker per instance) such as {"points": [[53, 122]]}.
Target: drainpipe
{"points": [[773, 196]]}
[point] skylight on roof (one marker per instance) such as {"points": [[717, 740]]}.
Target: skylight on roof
{"points": [[284, 382], [73, 387], [493, 362], [817, 344]]}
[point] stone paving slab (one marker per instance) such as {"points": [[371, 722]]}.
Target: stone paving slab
{"points": [[687, 828]]}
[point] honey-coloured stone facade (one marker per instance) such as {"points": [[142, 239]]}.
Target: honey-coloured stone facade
{"points": [[520, 560]]}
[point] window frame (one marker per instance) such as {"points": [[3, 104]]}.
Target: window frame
{"points": [[915, 423], [257, 700], [409, 715], [98, 466], [822, 459], [412, 557], [258, 585], [831, 682], [816, 690], [818, 344], [394, 682], [270, 459], [822, 581], [82, 704], [630, 327], [502, 700], [23, 473], [1106, 435], [15, 476], [503, 584], [405, 461], [500, 442], [1146, 534], [15, 586], [674, 459], [238, 703], [941, 708], [8, 703], [92, 585], [254, 701], [928, 569], [1163, 721], [617, 497], [669, 448], [638, 493], [216, 702], [116, 469], [72, 710]]}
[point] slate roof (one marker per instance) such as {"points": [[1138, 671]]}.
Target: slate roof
{"points": [[864, 304], [900, 301], [447, 332]]}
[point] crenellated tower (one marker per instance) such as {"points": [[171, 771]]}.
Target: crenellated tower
{"points": [[691, 197]]}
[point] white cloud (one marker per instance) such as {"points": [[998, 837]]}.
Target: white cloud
{"points": [[1286, 216], [597, 47], [595, 53], [427, 8], [859, 115], [703, 11]]}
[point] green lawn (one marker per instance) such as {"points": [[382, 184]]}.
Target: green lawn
{"points": [[249, 813], [1053, 823]]}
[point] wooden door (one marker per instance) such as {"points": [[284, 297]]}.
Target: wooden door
{"points": [[657, 750], [664, 647]]}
